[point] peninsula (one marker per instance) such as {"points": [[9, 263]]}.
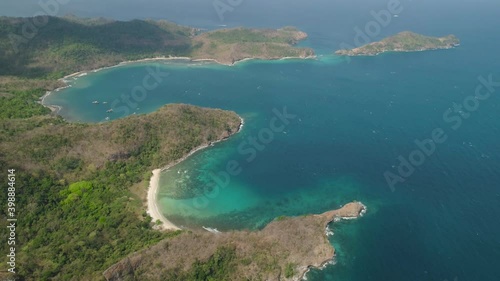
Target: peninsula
{"points": [[284, 250], [85, 185], [403, 42], [228, 46]]}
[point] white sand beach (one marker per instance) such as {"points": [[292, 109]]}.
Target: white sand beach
{"points": [[154, 185], [153, 209], [79, 74]]}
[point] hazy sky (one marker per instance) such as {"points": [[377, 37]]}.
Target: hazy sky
{"points": [[337, 14], [203, 9], [125, 9]]}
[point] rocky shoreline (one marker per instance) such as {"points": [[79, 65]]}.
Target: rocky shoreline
{"points": [[297, 241], [349, 211]]}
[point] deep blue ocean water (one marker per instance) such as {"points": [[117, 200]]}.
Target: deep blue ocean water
{"points": [[353, 118]]}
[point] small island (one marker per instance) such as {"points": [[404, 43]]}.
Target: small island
{"points": [[403, 42]]}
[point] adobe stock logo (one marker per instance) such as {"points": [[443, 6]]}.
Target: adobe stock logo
{"points": [[32, 25], [373, 28], [129, 102], [223, 6], [454, 117], [248, 148]]}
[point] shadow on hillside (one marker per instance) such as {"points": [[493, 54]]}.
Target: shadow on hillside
{"points": [[70, 44]]}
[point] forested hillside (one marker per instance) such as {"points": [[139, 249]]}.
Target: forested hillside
{"points": [[80, 187], [67, 45]]}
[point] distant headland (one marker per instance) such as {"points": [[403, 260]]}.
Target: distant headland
{"points": [[228, 46], [66, 45], [403, 42]]}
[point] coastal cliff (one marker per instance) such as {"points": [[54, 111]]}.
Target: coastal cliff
{"points": [[285, 250]]}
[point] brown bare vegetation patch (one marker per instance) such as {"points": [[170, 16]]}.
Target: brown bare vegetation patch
{"points": [[298, 243]]}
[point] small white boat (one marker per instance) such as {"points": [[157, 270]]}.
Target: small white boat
{"points": [[109, 110], [213, 230], [95, 102]]}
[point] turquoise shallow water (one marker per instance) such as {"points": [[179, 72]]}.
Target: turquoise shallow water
{"points": [[353, 118]]}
